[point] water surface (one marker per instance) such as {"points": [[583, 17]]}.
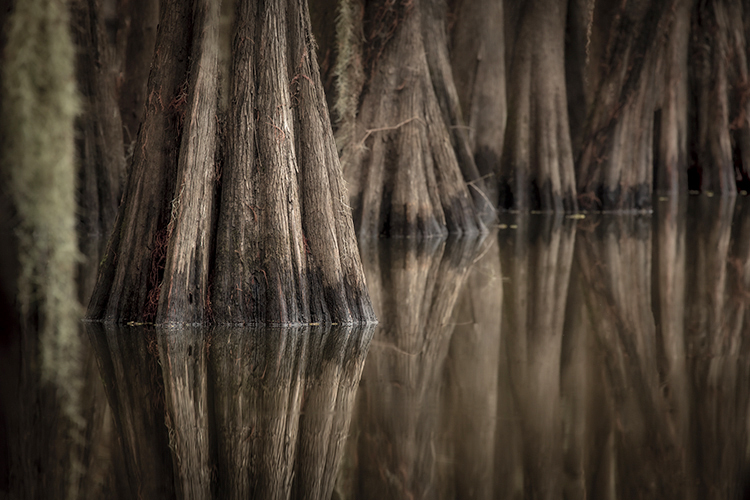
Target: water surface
{"points": [[603, 357]]}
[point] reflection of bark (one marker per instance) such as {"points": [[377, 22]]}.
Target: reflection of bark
{"points": [[257, 384], [182, 355], [669, 312], [128, 366], [537, 260], [332, 380], [717, 300], [472, 376], [414, 285], [634, 443], [244, 413]]}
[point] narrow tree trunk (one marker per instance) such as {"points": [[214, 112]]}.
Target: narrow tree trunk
{"points": [[537, 167], [478, 62], [472, 376], [129, 368], [415, 285], [716, 328], [671, 163], [142, 19], [100, 148], [435, 38], [403, 174]]}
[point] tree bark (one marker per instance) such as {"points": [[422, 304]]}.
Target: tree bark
{"points": [[478, 62], [615, 167], [404, 176], [720, 77], [256, 230], [141, 22], [537, 167]]}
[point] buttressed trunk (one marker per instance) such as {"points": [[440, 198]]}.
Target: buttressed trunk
{"points": [[398, 160], [615, 168], [537, 167], [239, 218]]}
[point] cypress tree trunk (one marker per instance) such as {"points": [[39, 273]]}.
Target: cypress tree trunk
{"points": [[138, 39], [720, 77], [263, 233], [478, 62], [615, 168], [398, 161], [100, 148], [671, 163], [537, 167]]}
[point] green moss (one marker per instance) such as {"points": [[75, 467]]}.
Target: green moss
{"points": [[40, 104]]}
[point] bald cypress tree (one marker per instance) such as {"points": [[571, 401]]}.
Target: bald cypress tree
{"points": [[235, 216]]}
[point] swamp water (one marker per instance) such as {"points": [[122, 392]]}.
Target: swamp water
{"points": [[603, 357]]}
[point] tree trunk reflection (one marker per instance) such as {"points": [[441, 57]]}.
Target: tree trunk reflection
{"points": [[232, 412]]}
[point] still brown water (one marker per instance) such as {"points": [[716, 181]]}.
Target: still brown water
{"points": [[603, 357]]}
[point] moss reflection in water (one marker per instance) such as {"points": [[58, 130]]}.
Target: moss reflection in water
{"points": [[605, 357]]}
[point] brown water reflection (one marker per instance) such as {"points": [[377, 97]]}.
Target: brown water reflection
{"points": [[605, 357], [596, 358], [231, 412]]}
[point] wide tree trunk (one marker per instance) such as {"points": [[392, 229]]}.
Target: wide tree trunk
{"points": [[641, 71], [537, 167], [256, 230], [614, 263], [398, 156]]}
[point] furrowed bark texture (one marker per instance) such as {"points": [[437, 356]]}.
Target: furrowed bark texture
{"points": [[255, 232], [615, 168], [101, 170], [288, 252], [398, 160], [720, 76], [673, 127], [186, 272], [129, 275], [478, 62], [537, 167], [614, 263]]}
